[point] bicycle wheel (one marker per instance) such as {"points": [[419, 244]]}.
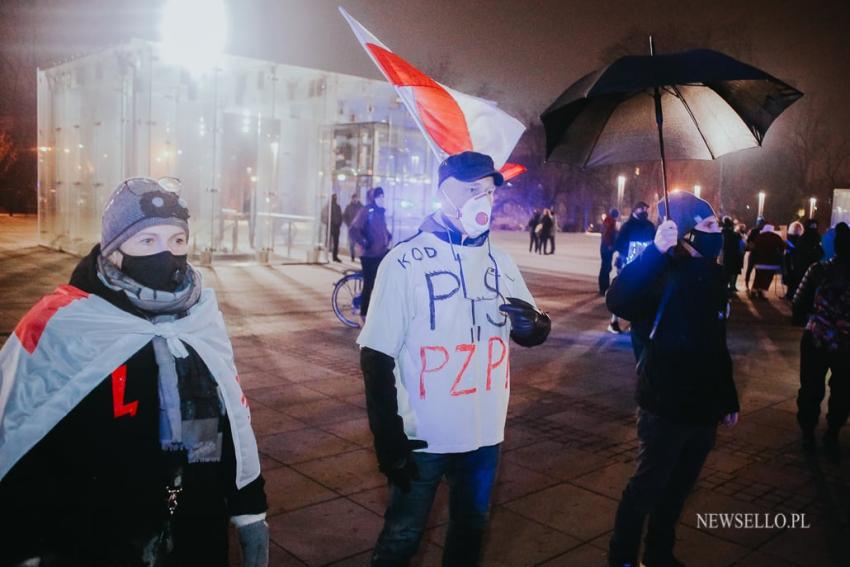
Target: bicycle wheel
{"points": [[346, 299]]}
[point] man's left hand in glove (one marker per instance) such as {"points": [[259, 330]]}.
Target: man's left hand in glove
{"points": [[529, 327]]}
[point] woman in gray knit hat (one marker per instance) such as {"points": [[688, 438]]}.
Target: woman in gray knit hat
{"points": [[125, 438]]}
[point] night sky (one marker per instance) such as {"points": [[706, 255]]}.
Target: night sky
{"points": [[522, 54]]}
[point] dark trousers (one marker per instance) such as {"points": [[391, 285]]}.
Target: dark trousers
{"points": [[370, 270], [607, 254], [750, 267], [470, 477], [670, 457], [814, 364], [334, 243], [534, 242]]}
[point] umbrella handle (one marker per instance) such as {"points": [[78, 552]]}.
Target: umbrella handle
{"points": [[659, 120]]}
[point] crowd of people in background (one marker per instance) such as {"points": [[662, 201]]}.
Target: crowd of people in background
{"points": [[542, 227], [815, 272]]}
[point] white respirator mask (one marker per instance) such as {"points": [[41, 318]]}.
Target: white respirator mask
{"points": [[475, 214]]}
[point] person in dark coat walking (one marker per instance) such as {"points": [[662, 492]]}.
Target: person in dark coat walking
{"points": [[606, 249], [809, 247], [348, 216], [751, 240], [547, 227], [335, 224], [534, 241], [822, 304], [137, 446], [792, 272], [733, 254], [369, 232], [766, 258], [685, 385]]}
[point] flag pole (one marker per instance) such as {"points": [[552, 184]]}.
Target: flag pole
{"points": [[659, 120]]}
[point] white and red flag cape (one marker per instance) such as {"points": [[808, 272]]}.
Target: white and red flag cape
{"points": [[450, 120], [70, 341]]}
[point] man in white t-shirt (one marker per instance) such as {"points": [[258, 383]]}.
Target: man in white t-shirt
{"points": [[435, 359]]}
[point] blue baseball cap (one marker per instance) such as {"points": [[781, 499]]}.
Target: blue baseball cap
{"points": [[470, 166]]}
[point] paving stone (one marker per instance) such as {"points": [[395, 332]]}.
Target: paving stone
{"points": [[818, 545], [267, 421], [326, 532], [570, 509], [287, 490], [584, 555], [698, 549], [556, 459], [514, 541], [354, 430], [609, 481], [515, 481], [345, 473], [302, 445], [323, 412]]}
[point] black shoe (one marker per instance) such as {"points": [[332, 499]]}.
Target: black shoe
{"points": [[337, 260], [831, 446]]}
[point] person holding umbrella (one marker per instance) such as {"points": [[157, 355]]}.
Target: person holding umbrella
{"points": [[676, 289]]}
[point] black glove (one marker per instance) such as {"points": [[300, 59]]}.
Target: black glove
{"points": [[529, 327], [402, 470], [523, 315]]}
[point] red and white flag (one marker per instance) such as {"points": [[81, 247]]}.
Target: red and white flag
{"points": [[450, 120]]}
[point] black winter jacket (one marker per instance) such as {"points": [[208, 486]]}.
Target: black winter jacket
{"points": [[685, 373], [92, 490], [633, 230]]}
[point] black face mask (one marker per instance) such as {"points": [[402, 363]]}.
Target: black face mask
{"points": [[708, 244], [163, 271], [642, 216]]}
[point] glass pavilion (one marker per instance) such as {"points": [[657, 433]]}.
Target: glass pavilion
{"points": [[258, 146]]}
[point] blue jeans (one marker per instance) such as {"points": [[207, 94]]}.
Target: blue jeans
{"points": [[470, 476]]}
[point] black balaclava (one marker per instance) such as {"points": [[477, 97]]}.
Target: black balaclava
{"points": [[708, 244]]}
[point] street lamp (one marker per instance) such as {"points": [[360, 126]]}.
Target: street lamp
{"points": [[762, 195], [621, 188], [812, 206], [193, 33], [698, 191]]}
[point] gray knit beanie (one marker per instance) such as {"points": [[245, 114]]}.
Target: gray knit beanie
{"points": [[137, 203]]}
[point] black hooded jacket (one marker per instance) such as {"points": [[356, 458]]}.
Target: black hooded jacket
{"points": [[685, 373], [633, 230], [92, 490]]}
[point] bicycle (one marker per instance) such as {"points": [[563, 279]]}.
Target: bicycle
{"points": [[346, 298]]}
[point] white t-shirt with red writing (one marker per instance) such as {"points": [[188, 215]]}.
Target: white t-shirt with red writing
{"points": [[435, 310]]}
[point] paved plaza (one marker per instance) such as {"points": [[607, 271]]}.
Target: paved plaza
{"points": [[570, 442]]}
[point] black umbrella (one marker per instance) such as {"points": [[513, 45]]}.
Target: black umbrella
{"points": [[709, 104]]}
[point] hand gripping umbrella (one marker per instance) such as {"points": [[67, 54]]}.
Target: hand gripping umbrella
{"points": [[705, 104]]}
